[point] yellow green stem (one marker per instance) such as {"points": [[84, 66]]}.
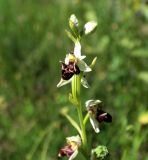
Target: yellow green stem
{"points": [[86, 119], [76, 89], [84, 139]]}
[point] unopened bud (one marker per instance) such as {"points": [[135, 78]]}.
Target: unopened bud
{"points": [[73, 22], [89, 27]]}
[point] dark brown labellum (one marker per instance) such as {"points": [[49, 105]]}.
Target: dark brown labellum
{"points": [[102, 116], [66, 151], [69, 70]]}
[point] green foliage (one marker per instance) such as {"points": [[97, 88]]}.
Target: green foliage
{"points": [[32, 41]]}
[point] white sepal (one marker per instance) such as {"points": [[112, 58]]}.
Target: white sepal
{"points": [[95, 124], [77, 49], [83, 66], [63, 82], [73, 155], [84, 82]]}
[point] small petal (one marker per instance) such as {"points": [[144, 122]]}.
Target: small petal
{"points": [[69, 58], [83, 66], [90, 103], [84, 82], [73, 155], [77, 49], [90, 27], [63, 82], [95, 124]]}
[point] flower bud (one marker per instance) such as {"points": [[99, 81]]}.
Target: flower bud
{"points": [[73, 22], [89, 27], [100, 152]]}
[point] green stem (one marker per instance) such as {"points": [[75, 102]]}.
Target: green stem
{"points": [[84, 139], [76, 89], [86, 119]]}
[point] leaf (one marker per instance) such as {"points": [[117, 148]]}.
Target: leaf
{"points": [[73, 122]]}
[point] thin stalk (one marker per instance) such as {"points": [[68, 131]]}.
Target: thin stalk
{"points": [[86, 119], [73, 87], [76, 89], [84, 139]]}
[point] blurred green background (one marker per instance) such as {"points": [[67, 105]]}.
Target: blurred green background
{"points": [[33, 40]]}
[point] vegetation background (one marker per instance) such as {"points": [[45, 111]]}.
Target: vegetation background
{"points": [[33, 40]]}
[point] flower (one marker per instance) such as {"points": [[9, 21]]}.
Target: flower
{"points": [[73, 65], [96, 114], [71, 149], [69, 70]]}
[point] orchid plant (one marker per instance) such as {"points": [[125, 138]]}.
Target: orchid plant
{"points": [[73, 70]]}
